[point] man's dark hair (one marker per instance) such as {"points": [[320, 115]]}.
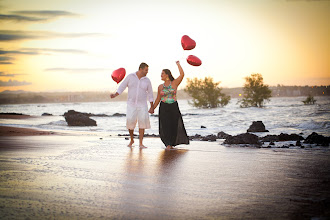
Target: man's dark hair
{"points": [[143, 65]]}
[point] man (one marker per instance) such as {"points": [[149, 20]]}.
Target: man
{"points": [[139, 90]]}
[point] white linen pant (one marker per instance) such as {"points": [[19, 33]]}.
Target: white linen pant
{"points": [[138, 115]]}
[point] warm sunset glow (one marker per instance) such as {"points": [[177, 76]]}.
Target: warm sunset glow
{"points": [[69, 45]]}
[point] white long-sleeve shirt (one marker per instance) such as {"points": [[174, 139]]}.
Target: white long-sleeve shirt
{"points": [[139, 90]]}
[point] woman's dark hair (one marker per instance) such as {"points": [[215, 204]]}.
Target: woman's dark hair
{"points": [[168, 72]]}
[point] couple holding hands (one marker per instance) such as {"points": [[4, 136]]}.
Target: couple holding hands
{"points": [[171, 128]]}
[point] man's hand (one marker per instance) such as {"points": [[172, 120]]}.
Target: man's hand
{"points": [[114, 95]]}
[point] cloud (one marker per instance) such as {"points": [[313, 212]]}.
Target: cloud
{"points": [[2, 74], [19, 18], [17, 52], [34, 51], [13, 83], [76, 70], [47, 13], [5, 60], [35, 16], [9, 35], [41, 51]]}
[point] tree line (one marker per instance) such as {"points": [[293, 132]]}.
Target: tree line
{"points": [[208, 94]]}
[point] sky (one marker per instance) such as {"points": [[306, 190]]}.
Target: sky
{"points": [[74, 45]]}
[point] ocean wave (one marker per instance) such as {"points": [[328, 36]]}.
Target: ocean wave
{"points": [[57, 123], [312, 125]]}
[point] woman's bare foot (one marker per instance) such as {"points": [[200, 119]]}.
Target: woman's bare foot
{"points": [[130, 143], [168, 147], [142, 146]]}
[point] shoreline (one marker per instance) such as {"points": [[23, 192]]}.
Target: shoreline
{"points": [[16, 131], [43, 176], [14, 116], [250, 138]]}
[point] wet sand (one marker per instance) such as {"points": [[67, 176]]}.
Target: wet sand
{"points": [[94, 177], [15, 131]]}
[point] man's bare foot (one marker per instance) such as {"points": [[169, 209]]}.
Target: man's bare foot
{"points": [[142, 146], [168, 147], [130, 144]]}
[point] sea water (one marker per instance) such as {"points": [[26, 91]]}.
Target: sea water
{"points": [[280, 115]]}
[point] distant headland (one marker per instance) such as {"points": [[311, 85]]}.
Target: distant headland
{"points": [[24, 97]]}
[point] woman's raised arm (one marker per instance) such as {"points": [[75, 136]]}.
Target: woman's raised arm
{"points": [[178, 80]]}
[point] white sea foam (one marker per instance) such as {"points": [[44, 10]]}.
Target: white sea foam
{"points": [[281, 115]]}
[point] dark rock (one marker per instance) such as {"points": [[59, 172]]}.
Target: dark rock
{"points": [[74, 118], [79, 120], [151, 135], [281, 137], [246, 138], [118, 115], [203, 126], [315, 138], [137, 136], [284, 146], [271, 143], [10, 113], [73, 112], [257, 126], [289, 137], [223, 135], [125, 135], [269, 138], [211, 137], [196, 136], [46, 114], [298, 143]]}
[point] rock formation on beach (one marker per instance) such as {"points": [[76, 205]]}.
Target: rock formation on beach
{"points": [[74, 118], [315, 138], [281, 137], [246, 138], [257, 126], [73, 112]]}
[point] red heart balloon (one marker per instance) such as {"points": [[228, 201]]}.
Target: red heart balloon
{"points": [[118, 75], [187, 43], [193, 60]]}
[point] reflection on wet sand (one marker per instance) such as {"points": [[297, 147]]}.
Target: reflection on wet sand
{"points": [[169, 159], [134, 165], [148, 182], [135, 184], [73, 179]]}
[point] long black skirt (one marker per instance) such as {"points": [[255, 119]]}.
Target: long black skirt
{"points": [[171, 128]]}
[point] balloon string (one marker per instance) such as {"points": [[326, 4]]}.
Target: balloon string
{"points": [[182, 58], [116, 87], [115, 90]]}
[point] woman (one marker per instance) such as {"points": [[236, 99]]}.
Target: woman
{"points": [[171, 127]]}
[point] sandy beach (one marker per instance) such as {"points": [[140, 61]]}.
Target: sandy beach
{"points": [[14, 131], [98, 177]]}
